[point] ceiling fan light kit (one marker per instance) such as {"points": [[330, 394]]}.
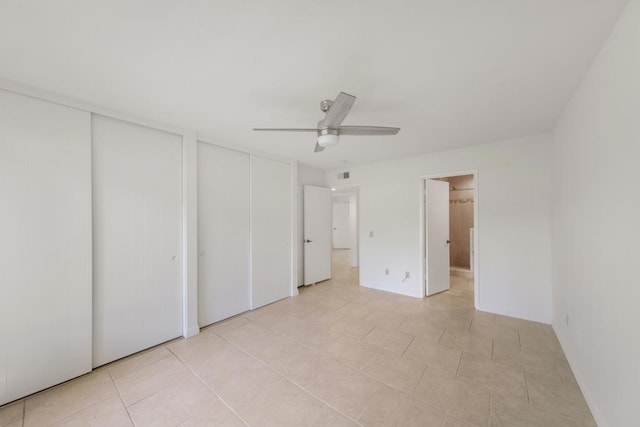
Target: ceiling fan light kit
{"points": [[328, 137], [329, 129]]}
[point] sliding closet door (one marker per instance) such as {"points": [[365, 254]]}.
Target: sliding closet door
{"points": [[137, 217], [45, 245], [271, 223], [223, 233]]}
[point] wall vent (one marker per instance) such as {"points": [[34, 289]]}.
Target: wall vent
{"points": [[343, 175]]}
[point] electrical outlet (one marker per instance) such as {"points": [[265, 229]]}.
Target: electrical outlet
{"points": [[386, 271]]}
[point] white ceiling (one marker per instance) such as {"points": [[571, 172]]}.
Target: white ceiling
{"points": [[449, 73]]}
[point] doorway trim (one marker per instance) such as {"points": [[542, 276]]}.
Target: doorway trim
{"points": [[423, 239]]}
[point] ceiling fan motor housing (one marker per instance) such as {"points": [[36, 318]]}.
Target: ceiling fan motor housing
{"points": [[326, 105]]}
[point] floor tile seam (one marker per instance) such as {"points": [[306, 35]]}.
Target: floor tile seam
{"points": [[490, 401], [260, 325], [80, 410], [318, 398], [381, 381], [309, 346], [459, 363], [360, 415], [124, 405], [492, 388], [444, 408], [250, 355], [201, 380], [56, 387], [424, 371], [415, 387], [463, 379], [526, 383], [145, 366], [413, 338], [555, 414], [150, 395]]}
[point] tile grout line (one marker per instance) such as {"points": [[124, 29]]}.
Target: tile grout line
{"points": [[80, 410], [126, 408], [322, 354], [413, 337], [284, 377], [493, 345], [304, 389], [526, 385], [209, 387]]}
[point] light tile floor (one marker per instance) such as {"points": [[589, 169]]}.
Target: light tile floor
{"points": [[337, 354]]}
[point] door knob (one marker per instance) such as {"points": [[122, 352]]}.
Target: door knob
{"points": [[308, 241], [448, 241]]}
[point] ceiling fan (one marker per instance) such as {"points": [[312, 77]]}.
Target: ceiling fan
{"points": [[329, 129]]}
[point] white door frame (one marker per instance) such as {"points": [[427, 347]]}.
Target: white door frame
{"points": [[423, 240]]}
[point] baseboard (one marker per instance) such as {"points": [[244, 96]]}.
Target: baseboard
{"points": [[191, 331], [593, 407]]}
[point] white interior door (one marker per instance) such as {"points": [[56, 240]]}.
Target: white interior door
{"points": [[317, 234], [137, 219], [223, 233], [271, 230], [341, 228], [437, 228], [45, 245]]}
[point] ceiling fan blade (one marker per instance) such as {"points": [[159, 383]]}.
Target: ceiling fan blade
{"points": [[367, 130], [338, 111], [318, 148], [287, 129]]}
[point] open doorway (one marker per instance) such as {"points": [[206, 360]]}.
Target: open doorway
{"points": [[450, 237], [344, 259]]}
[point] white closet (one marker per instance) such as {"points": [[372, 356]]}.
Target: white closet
{"points": [[92, 236], [271, 229], [45, 245], [137, 232], [223, 233]]}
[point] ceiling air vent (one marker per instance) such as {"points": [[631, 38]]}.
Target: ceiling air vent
{"points": [[343, 175]]}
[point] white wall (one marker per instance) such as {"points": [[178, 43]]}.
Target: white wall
{"points": [[307, 175], [596, 231], [513, 232]]}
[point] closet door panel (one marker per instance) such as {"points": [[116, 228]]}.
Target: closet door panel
{"points": [[137, 216], [223, 233], [271, 222], [45, 245]]}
